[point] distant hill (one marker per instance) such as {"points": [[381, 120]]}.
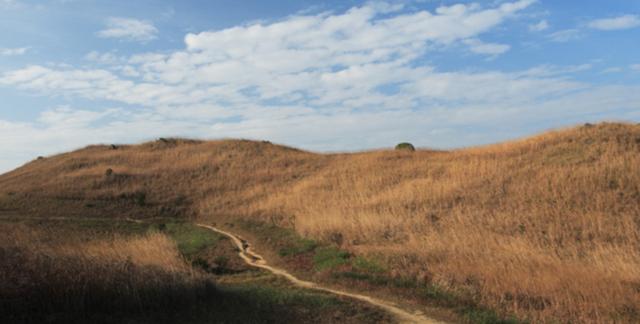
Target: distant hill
{"points": [[546, 227]]}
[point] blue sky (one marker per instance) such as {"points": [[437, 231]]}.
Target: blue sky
{"points": [[320, 75]]}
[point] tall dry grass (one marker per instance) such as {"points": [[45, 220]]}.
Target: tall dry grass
{"points": [[46, 276], [547, 228]]}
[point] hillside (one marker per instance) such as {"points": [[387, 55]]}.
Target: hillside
{"points": [[545, 228]]}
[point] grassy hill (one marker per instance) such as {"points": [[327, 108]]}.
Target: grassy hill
{"points": [[545, 228]]}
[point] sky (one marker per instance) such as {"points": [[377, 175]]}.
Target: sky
{"points": [[318, 75]]}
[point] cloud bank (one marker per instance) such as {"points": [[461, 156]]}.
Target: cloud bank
{"points": [[129, 29], [330, 81], [616, 23]]}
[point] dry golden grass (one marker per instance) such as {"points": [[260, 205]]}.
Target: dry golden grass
{"points": [[53, 273], [546, 228]]}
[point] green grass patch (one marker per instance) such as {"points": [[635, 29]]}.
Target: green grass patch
{"points": [[286, 241], [364, 269], [438, 294], [191, 239], [374, 279], [330, 257], [486, 316], [264, 296], [404, 282], [299, 246], [368, 265]]}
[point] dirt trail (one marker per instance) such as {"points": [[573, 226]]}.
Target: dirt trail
{"points": [[255, 260]]}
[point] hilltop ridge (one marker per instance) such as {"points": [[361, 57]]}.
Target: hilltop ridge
{"points": [[544, 227]]}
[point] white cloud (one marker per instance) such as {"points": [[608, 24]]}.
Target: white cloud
{"points": [[313, 59], [355, 73], [129, 29], [554, 70], [614, 69], [9, 4], [64, 117], [65, 128], [616, 23], [385, 7], [565, 35], [103, 58], [13, 51], [540, 26], [479, 47], [635, 67]]}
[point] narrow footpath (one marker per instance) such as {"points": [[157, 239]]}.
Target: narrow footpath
{"points": [[255, 260]]}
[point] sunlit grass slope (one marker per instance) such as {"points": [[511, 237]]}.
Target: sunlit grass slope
{"points": [[546, 228]]}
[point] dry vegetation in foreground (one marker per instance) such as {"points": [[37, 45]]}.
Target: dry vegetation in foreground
{"points": [[48, 278], [546, 228], [110, 271]]}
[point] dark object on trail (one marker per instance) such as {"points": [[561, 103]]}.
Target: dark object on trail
{"points": [[108, 172], [114, 147], [163, 140], [405, 146], [588, 125], [40, 158]]}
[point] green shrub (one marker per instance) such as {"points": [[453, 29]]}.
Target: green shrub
{"points": [[405, 146], [329, 258], [366, 265]]}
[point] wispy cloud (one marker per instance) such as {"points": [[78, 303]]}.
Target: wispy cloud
{"points": [[479, 47], [565, 35], [360, 73], [614, 69], [129, 29], [555, 70], [13, 51], [9, 4], [104, 58], [540, 26], [316, 61], [616, 23]]}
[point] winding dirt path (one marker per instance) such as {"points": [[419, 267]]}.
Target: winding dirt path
{"points": [[255, 260]]}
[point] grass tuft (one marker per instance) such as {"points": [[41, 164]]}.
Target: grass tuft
{"points": [[329, 257]]}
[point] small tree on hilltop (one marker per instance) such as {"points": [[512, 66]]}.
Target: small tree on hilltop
{"points": [[405, 146]]}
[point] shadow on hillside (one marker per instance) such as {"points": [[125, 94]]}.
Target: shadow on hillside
{"points": [[207, 303]]}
